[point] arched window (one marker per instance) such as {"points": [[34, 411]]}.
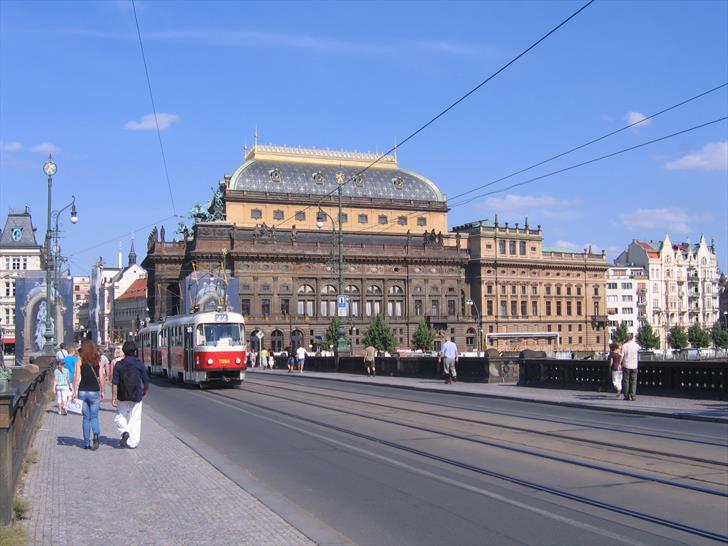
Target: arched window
{"points": [[276, 341], [395, 301], [327, 306], [296, 339], [306, 299], [395, 291], [470, 337], [306, 289], [354, 299], [373, 301]]}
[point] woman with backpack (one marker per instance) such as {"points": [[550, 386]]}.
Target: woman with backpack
{"points": [[89, 382]]}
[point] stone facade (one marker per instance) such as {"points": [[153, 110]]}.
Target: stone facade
{"points": [[626, 298], [532, 297]]}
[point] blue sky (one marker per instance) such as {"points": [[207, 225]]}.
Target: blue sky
{"points": [[359, 76]]}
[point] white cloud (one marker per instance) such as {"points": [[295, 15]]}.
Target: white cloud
{"points": [[637, 117], [452, 48], [665, 219], [713, 157], [10, 146], [46, 148], [538, 206], [147, 122]]}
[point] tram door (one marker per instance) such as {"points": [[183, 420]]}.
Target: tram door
{"points": [[153, 345], [189, 348]]}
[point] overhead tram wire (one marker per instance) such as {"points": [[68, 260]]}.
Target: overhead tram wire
{"points": [[154, 109], [447, 109], [113, 239], [593, 141], [565, 169]]}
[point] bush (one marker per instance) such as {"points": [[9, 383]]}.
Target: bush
{"points": [[20, 508]]}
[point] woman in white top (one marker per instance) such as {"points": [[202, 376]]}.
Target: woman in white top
{"points": [[62, 387]]}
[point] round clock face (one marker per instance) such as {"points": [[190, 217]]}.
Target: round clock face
{"points": [[50, 168], [16, 233]]}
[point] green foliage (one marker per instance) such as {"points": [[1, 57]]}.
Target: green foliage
{"points": [[332, 333], [647, 338], [719, 335], [424, 337], [620, 334], [20, 508], [698, 336], [677, 337], [6, 373], [379, 335]]}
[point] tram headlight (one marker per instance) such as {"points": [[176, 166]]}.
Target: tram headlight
{"points": [[237, 361], [209, 361]]}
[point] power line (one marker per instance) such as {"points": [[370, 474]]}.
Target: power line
{"points": [[114, 239], [451, 106], [593, 141], [154, 108]]}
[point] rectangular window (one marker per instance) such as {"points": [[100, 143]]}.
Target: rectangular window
{"points": [[256, 214], [25, 262], [450, 307], [534, 290], [285, 306], [612, 286], [627, 310], [421, 221], [309, 308], [363, 218], [489, 307], [627, 297], [627, 285], [278, 215], [402, 220], [265, 306], [548, 290], [523, 290], [568, 290], [383, 219], [534, 308], [343, 218], [300, 216], [596, 290], [418, 308], [578, 290], [513, 290], [245, 307], [489, 289], [502, 247], [558, 308], [504, 309], [16, 263], [522, 248], [514, 309], [568, 308], [524, 309], [512, 247], [612, 298], [578, 308], [558, 290], [548, 308], [580, 341], [435, 308], [7, 289]]}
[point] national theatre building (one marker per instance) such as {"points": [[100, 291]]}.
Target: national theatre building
{"points": [[273, 225]]}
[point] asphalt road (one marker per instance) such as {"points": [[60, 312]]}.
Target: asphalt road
{"points": [[396, 466]]}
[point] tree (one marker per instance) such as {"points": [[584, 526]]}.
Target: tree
{"points": [[332, 333], [677, 337], [698, 336], [719, 335], [646, 337], [379, 335], [424, 337], [620, 334]]}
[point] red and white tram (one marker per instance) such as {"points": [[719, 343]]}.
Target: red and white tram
{"points": [[150, 350], [201, 348]]}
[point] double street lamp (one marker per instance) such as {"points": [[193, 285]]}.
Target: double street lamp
{"points": [[471, 303], [51, 249], [341, 344]]}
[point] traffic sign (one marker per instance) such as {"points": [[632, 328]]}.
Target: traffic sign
{"points": [[259, 335], [342, 305]]}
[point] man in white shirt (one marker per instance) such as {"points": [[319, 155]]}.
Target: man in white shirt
{"points": [[300, 358], [630, 363], [61, 354], [449, 356]]}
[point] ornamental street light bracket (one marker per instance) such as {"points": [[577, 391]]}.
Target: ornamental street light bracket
{"points": [[479, 324]]}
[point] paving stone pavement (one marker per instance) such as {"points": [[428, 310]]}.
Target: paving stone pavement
{"points": [[163, 492]]}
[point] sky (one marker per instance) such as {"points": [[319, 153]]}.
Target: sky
{"points": [[362, 76]]}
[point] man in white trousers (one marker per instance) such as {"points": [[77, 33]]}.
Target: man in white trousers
{"points": [[129, 386]]}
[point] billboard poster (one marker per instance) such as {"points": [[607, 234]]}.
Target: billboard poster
{"points": [[205, 291], [31, 310]]}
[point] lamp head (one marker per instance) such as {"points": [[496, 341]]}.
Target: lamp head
{"points": [[319, 224], [468, 302], [74, 213], [49, 167]]}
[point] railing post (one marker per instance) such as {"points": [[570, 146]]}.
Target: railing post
{"points": [[6, 458]]}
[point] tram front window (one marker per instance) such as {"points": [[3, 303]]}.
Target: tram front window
{"points": [[213, 335]]}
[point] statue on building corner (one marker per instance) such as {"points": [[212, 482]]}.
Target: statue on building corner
{"points": [[294, 233]]}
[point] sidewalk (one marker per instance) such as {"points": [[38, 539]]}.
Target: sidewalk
{"points": [[163, 492], [684, 408]]}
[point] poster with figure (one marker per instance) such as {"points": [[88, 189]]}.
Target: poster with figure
{"points": [[204, 291], [32, 310]]}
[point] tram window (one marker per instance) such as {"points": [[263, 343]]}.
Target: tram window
{"points": [[218, 334]]}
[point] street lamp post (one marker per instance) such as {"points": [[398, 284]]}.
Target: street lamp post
{"points": [[341, 344], [479, 324], [49, 168]]}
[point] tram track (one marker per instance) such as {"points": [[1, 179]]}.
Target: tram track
{"points": [[480, 470], [460, 419]]}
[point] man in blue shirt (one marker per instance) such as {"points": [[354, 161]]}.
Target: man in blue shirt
{"points": [[449, 356], [128, 388]]}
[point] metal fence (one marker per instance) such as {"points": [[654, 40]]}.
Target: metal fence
{"points": [[18, 415]]}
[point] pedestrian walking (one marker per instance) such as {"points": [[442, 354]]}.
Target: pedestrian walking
{"points": [[89, 388], [264, 358], [615, 365], [370, 356], [630, 364], [104, 361], [69, 363], [291, 360], [271, 359], [129, 386], [118, 355], [61, 353], [300, 358], [449, 356], [62, 387]]}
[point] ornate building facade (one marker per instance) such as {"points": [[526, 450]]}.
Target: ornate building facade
{"points": [[273, 225], [532, 297]]}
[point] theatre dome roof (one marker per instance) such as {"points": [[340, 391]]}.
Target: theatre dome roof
{"points": [[280, 169]]}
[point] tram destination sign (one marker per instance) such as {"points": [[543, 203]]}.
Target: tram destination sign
{"points": [[221, 317]]}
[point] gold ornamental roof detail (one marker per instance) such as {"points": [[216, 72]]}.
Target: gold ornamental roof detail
{"points": [[315, 155]]}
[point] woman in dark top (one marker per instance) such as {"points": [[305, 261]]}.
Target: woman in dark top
{"points": [[89, 387]]}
